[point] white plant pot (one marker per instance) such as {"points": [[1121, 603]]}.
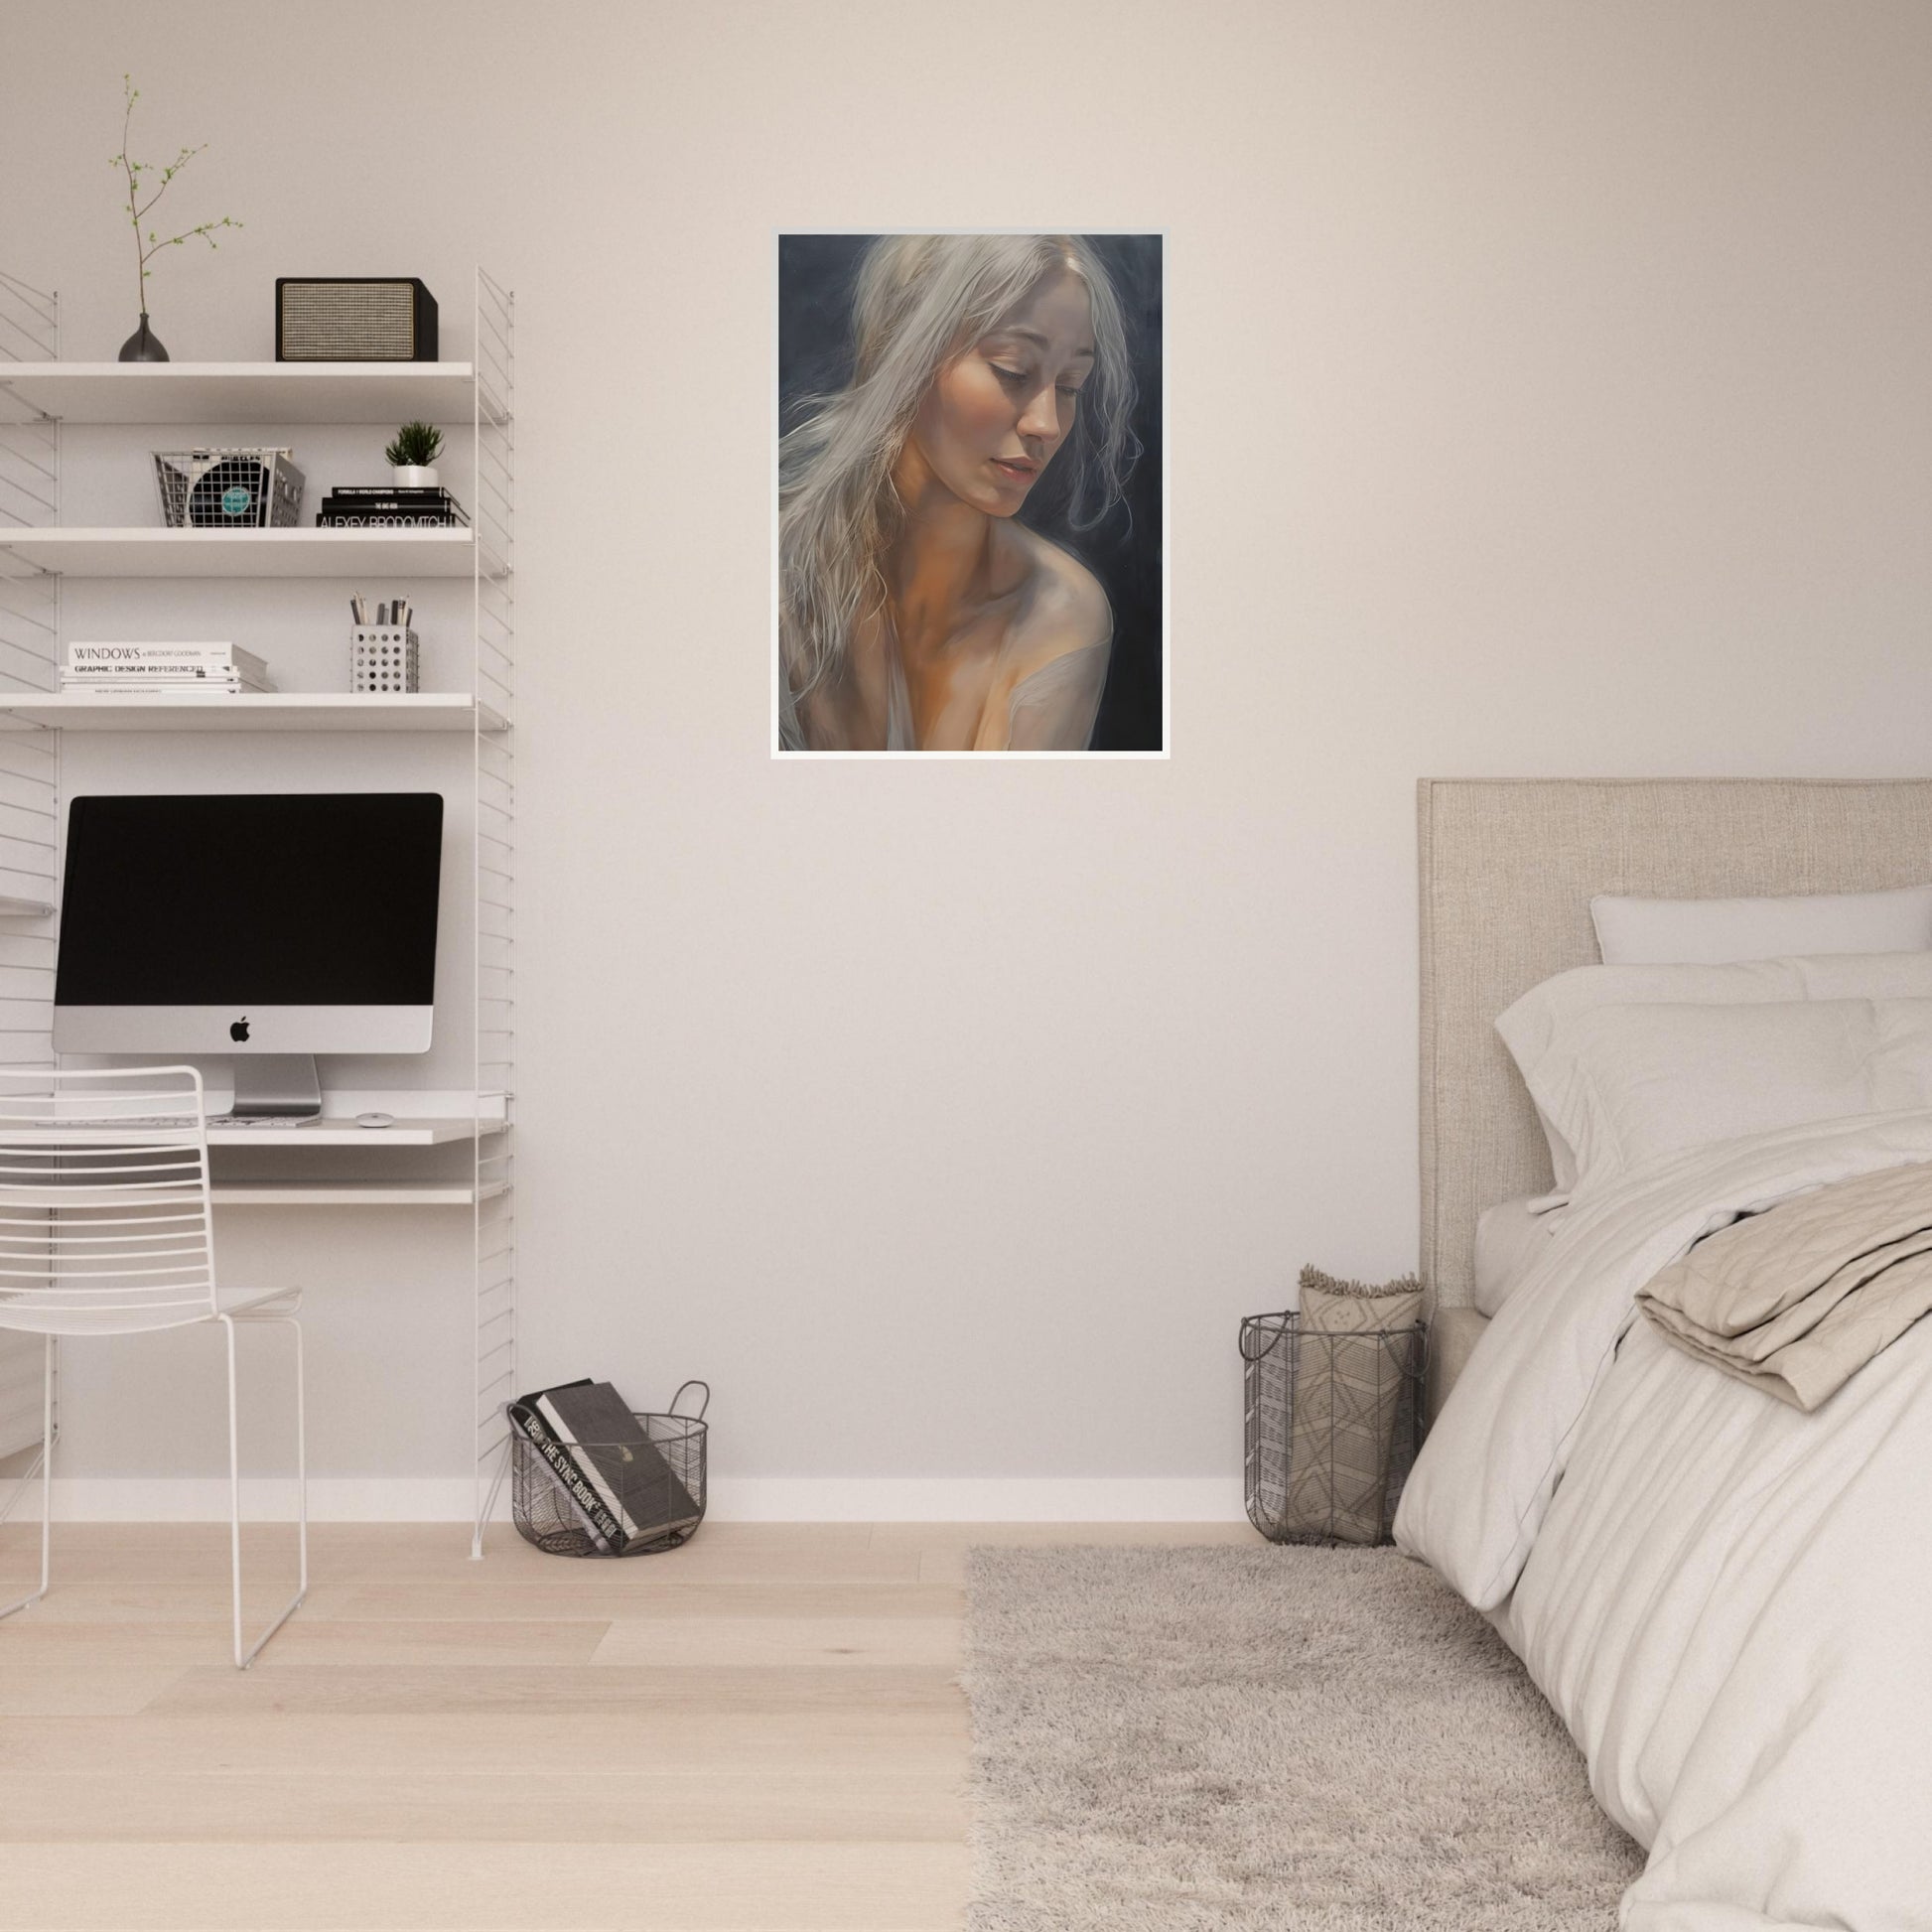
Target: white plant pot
{"points": [[414, 476]]}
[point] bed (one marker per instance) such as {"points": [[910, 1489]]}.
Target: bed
{"points": [[1722, 1597]]}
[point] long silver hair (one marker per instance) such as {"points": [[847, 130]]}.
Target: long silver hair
{"points": [[922, 301]]}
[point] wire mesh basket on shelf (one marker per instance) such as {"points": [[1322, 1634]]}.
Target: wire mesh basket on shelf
{"points": [[1333, 1424], [657, 1503], [227, 490]]}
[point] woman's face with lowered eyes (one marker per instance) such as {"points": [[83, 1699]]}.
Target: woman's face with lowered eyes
{"points": [[995, 415]]}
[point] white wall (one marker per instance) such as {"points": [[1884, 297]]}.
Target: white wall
{"points": [[1549, 391]]}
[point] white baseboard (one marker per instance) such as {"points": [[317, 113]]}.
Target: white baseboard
{"points": [[974, 1499], [332, 1499], [733, 1499]]}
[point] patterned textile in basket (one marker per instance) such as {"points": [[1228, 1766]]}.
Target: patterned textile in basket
{"points": [[1333, 1410], [1345, 1399]]}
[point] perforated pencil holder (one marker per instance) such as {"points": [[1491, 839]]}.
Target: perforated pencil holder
{"points": [[382, 658]]}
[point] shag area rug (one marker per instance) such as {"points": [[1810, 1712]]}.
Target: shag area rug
{"points": [[1172, 1739]]}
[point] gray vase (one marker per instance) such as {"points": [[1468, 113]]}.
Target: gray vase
{"points": [[144, 346]]}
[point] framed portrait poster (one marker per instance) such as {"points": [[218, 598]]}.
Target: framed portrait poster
{"points": [[969, 498]]}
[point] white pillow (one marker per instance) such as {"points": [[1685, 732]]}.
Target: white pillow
{"points": [[1627, 1083], [1710, 931], [1511, 1238], [1530, 1026]]}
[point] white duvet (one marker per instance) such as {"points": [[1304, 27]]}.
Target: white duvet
{"points": [[1728, 1602]]}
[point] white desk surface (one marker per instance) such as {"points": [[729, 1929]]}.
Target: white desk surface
{"points": [[329, 1132]]}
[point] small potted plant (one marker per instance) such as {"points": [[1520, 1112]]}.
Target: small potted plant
{"points": [[412, 456]]}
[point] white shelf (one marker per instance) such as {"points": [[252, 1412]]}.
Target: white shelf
{"points": [[265, 711], [436, 1131], [347, 1194], [243, 393], [346, 1133], [149, 552]]}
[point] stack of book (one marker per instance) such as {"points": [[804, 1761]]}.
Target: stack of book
{"points": [[382, 506], [124, 668], [624, 1493]]}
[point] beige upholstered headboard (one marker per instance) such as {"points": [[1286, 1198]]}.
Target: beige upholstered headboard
{"points": [[1508, 866]]}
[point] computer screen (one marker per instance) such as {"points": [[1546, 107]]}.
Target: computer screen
{"points": [[250, 922]]}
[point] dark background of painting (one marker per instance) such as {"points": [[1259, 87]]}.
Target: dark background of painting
{"points": [[816, 273]]}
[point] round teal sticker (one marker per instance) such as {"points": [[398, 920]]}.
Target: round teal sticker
{"points": [[235, 501]]}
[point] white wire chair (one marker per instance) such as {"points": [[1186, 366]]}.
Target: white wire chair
{"points": [[105, 1229]]}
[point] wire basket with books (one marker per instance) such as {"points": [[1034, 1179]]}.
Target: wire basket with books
{"points": [[589, 1476]]}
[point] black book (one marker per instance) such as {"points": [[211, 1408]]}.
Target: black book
{"points": [[360, 497], [389, 505], [385, 506], [417, 493], [634, 1482], [370, 517], [527, 1417]]}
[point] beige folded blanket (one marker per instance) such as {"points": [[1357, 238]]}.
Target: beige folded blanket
{"points": [[1798, 1299]]}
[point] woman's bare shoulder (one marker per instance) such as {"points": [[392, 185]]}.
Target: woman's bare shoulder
{"points": [[1064, 608]]}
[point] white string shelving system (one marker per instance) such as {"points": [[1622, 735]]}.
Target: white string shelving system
{"points": [[494, 497], [30, 775], [37, 392]]}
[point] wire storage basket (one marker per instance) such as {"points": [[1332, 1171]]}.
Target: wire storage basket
{"points": [[654, 1494], [1332, 1426], [227, 488]]}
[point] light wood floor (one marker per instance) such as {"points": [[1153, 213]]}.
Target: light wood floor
{"points": [[759, 1732]]}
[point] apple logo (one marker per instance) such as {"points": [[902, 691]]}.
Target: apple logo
{"points": [[239, 1030]]}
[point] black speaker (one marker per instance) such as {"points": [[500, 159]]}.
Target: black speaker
{"points": [[353, 318]]}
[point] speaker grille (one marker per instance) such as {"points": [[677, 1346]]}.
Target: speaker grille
{"points": [[348, 322]]}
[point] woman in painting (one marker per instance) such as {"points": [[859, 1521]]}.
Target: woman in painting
{"points": [[916, 611]]}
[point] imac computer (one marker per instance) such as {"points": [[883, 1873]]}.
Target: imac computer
{"points": [[269, 926]]}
